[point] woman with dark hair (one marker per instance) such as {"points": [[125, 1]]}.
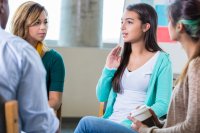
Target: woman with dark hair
{"points": [[184, 110], [141, 76]]}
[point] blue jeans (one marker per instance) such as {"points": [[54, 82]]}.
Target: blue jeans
{"points": [[90, 124]]}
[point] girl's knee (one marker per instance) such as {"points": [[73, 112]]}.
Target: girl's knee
{"points": [[87, 119]]}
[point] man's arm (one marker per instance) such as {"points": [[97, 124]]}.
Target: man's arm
{"points": [[35, 113]]}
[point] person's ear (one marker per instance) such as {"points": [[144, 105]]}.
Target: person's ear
{"points": [[179, 27], [146, 27]]}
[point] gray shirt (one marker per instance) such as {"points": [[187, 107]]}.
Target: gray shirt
{"points": [[22, 77]]}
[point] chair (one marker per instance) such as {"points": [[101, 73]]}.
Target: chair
{"points": [[11, 116], [101, 109]]}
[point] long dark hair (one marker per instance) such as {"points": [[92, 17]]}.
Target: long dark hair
{"points": [[147, 14], [186, 12]]}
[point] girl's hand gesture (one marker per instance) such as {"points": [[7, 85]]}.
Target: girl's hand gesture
{"points": [[113, 58]]}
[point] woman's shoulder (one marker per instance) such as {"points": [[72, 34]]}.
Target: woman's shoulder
{"points": [[164, 57], [193, 74], [194, 65], [164, 54], [53, 54], [52, 57]]}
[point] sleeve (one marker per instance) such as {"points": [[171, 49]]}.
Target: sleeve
{"points": [[192, 122], [34, 111], [163, 91], [57, 74], [104, 84]]}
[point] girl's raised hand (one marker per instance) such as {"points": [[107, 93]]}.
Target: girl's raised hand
{"points": [[113, 58]]}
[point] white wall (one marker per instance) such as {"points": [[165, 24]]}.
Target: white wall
{"points": [[177, 54], [83, 69]]}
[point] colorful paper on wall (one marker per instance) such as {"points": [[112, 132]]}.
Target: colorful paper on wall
{"points": [[161, 9], [162, 15], [163, 34]]}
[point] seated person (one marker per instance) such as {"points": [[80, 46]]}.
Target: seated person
{"points": [[30, 22], [142, 76], [22, 78], [183, 115]]}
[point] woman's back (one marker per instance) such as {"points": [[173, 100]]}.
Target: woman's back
{"points": [[188, 90]]}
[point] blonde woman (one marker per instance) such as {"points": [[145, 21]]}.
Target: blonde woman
{"points": [[30, 22]]}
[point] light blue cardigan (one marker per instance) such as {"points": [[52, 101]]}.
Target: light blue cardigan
{"points": [[158, 93]]}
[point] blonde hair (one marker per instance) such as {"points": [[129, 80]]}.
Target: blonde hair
{"points": [[25, 16], [184, 72]]}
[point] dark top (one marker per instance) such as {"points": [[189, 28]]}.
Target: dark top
{"points": [[55, 69]]}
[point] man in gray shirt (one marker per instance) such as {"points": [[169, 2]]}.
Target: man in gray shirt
{"points": [[22, 78]]}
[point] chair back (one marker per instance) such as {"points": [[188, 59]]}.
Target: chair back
{"points": [[102, 108], [11, 116]]}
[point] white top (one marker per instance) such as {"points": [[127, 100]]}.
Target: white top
{"points": [[134, 90]]}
